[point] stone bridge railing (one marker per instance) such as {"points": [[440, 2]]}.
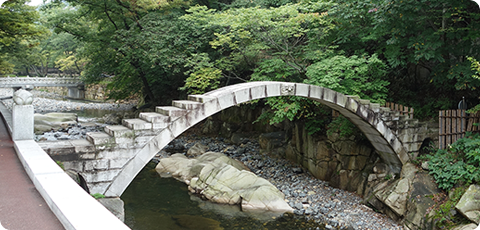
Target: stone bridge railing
{"points": [[14, 82], [110, 160], [76, 87]]}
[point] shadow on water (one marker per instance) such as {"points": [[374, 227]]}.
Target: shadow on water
{"points": [[154, 203]]}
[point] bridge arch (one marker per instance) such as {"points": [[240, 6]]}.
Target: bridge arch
{"points": [[365, 115]]}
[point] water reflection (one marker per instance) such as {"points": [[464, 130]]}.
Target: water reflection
{"points": [[153, 203]]}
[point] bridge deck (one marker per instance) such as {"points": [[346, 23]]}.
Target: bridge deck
{"points": [[21, 206]]}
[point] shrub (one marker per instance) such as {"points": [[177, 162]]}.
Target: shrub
{"points": [[459, 164]]}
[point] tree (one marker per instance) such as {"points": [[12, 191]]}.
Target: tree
{"points": [[425, 44], [18, 31]]}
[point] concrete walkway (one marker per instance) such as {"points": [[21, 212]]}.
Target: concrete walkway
{"points": [[21, 206]]}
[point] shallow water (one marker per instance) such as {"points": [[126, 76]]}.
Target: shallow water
{"points": [[153, 203]]}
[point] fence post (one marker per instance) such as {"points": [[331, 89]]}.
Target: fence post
{"points": [[22, 116]]}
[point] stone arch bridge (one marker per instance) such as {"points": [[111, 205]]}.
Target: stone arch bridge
{"points": [[110, 160], [76, 87]]}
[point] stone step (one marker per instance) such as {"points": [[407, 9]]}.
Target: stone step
{"points": [[137, 124], [154, 117], [189, 105], [119, 131], [375, 107], [364, 102], [354, 97], [159, 121], [200, 98], [171, 111], [99, 138]]}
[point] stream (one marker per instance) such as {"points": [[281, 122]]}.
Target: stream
{"points": [[152, 202]]}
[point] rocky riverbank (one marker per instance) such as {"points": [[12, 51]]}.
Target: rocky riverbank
{"points": [[309, 196]]}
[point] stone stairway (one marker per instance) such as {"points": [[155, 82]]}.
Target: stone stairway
{"points": [[411, 132], [109, 160]]}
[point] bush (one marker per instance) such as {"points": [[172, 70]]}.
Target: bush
{"points": [[459, 164]]}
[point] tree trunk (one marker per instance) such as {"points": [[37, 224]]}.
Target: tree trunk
{"points": [[146, 87]]}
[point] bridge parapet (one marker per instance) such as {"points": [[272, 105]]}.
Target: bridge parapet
{"points": [[118, 154], [15, 82]]}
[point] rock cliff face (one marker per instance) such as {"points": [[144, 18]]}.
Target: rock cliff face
{"points": [[221, 179], [348, 164]]}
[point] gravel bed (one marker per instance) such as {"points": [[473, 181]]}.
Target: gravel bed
{"points": [[309, 196]]}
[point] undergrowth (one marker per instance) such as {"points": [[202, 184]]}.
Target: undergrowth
{"points": [[444, 214], [459, 164]]}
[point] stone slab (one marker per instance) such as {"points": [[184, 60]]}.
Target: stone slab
{"points": [[23, 122]]}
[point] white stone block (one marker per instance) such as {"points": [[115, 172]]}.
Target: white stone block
{"points": [[201, 98], [179, 126], [273, 90], [341, 100], [125, 177], [82, 146], [302, 90], [88, 156], [185, 104], [137, 124], [329, 95], [351, 105], [258, 92], [155, 117], [226, 100], [171, 111], [101, 176], [99, 138], [119, 131], [58, 190], [211, 107], [242, 95], [22, 122], [316, 92], [98, 187], [74, 165], [118, 163]]}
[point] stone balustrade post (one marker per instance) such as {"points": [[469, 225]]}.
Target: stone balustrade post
{"points": [[22, 115]]}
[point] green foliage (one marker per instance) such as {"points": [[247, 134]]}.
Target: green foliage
{"points": [[19, 32], [443, 217], [98, 196], [205, 78], [203, 75], [459, 164], [475, 66], [59, 163], [362, 76], [344, 128], [282, 108], [424, 44]]}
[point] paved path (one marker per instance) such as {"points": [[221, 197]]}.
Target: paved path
{"points": [[21, 206]]}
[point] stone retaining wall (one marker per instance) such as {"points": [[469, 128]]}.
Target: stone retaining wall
{"points": [[344, 162], [92, 92]]}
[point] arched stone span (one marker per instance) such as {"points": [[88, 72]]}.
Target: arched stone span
{"points": [[185, 114]]}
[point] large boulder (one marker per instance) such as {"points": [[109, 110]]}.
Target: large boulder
{"points": [[221, 179], [466, 227], [469, 204], [196, 150], [53, 121]]}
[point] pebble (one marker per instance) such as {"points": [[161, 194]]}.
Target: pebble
{"points": [[309, 196]]}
